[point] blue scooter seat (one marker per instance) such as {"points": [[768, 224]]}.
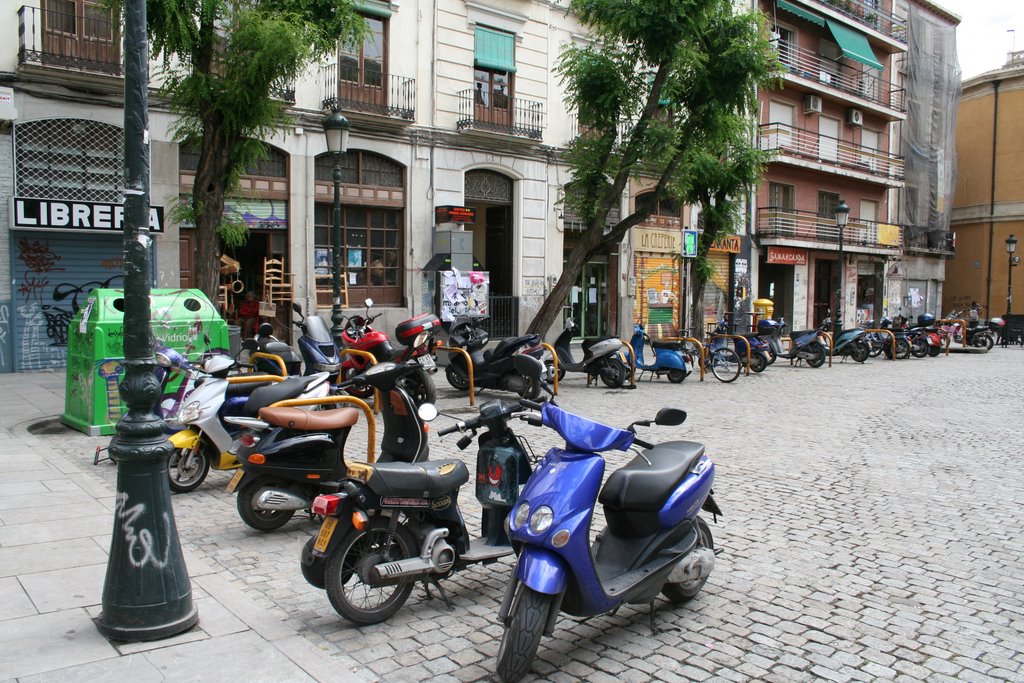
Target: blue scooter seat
{"points": [[428, 479], [640, 486]]}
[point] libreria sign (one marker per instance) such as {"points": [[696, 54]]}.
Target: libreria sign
{"points": [[48, 214]]}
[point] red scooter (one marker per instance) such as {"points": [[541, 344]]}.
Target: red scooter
{"points": [[416, 335]]}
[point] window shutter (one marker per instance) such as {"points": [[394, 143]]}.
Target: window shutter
{"points": [[495, 50]]}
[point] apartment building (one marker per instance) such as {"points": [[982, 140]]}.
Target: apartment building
{"points": [[863, 82]]}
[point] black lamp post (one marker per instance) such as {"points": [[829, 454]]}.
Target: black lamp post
{"points": [[842, 216], [336, 129], [1011, 246], [147, 594]]}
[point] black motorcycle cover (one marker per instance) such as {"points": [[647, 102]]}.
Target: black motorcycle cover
{"points": [[501, 467]]}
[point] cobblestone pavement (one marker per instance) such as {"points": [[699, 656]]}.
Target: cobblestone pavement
{"points": [[872, 530]]}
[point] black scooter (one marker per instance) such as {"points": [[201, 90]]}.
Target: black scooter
{"points": [[492, 368], [805, 344], [266, 342], [394, 524], [289, 456]]}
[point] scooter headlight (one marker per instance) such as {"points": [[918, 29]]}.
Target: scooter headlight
{"points": [[540, 520], [188, 413], [522, 514]]}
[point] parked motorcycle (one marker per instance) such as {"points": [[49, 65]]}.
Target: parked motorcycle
{"points": [[924, 338], [885, 345], [290, 456], [202, 435], [492, 368], [654, 540], [394, 524], [850, 343], [805, 346], [417, 338], [316, 345], [669, 357], [267, 343], [760, 350], [600, 357], [978, 336]]}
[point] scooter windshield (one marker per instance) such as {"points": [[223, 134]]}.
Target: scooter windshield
{"points": [[316, 328], [582, 434]]}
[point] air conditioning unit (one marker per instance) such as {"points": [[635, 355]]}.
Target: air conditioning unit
{"points": [[812, 104], [855, 117]]}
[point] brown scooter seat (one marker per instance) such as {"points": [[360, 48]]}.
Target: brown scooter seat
{"points": [[309, 420], [428, 479]]}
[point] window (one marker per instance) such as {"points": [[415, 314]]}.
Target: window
{"points": [[827, 203], [781, 196], [494, 69], [786, 45], [363, 64], [361, 168], [666, 206], [72, 159]]}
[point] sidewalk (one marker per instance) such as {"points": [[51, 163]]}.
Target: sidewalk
{"points": [[55, 525]]}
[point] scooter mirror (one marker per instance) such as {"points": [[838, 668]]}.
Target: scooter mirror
{"points": [[528, 365], [427, 412], [297, 307], [250, 344], [670, 417], [369, 303], [162, 360]]}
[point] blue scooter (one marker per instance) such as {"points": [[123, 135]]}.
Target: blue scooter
{"points": [[669, 358], [654, 540]]}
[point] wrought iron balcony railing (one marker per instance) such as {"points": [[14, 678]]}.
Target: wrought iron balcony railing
{"points": [[799, 143], [283, 91], [805, 225], [350, 88], [506, 115], [860, 81], [88, 40], [922, 240], [872, 14]]}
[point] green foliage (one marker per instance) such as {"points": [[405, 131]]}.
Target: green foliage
{"points": [[232, 229]]}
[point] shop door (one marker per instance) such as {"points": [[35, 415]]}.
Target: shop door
{"points": [[775, 282], [186, 257], [590, 307], [499, 249], [825, 287]]}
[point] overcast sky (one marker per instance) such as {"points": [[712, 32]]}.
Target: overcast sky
{"points": [[984, 35]]}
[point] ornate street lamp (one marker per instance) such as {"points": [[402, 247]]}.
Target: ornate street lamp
{"points": [[1011, 246], [336, 128], [147, 594], [842, 216]]}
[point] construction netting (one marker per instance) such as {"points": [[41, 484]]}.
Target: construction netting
{"points": [[932, 92]]}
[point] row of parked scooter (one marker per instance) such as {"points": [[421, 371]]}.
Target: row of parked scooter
{"points": [[391, 522]]}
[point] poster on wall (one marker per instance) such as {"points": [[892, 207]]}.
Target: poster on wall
{"points": [[463, 294]]}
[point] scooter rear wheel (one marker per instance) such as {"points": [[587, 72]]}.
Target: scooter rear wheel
{"points": [[684, 591], [676, 376], [348, 572], [614, 373], [522, 635], [261, 520], [456, 378], [758, 362]]}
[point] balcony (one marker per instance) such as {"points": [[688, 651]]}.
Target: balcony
{"points": [[809, 149], [87, 41], [284, 91], [869, 13], [922, 241], [367, 91], [777, 225], [513, 116], [840, 80]]}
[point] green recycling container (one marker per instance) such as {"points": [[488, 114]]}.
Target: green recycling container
{"points": [[181, 319]]}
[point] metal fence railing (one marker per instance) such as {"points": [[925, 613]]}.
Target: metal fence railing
{"points": [[508, 115], [807, 144], [503, 320], [355, 89], [860, 80], [807, 225], [88, 40]]}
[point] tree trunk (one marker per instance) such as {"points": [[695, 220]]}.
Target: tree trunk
{"points": [[208, 208]]}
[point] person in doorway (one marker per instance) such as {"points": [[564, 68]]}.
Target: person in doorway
{"points": [[249, 314]]}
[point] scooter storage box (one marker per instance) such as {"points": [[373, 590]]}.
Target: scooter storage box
{"points": [[767, 326], [408, 330], [925, 320]]}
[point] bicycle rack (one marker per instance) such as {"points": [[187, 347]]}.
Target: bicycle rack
{"points": [[891, 336], [700, 349], [373, 361], [632, 364], [831, 347], [371, 423], [736, 336], [554, 359], [252, 379], [273, 357], [469, 366], [963, 331]]}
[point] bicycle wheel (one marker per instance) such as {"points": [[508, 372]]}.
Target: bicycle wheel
{"points": [[725, 364]]}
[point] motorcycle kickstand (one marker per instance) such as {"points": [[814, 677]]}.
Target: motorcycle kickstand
{"points": [[440, 589]]}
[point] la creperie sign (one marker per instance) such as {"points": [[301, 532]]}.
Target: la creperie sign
{"points": [[51, 214]]}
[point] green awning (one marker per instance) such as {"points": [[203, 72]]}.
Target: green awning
{"points": [[495, 50], [800, 12], [854, 45], [373, 8]]}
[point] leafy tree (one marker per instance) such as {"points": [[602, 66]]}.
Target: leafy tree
{"points": [[220, 60], [662, 82]]}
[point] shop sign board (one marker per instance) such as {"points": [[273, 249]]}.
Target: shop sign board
{"points": [[454, 214], [656, 241], [730, 244], [689, 243], [787, 256], [52, 214]]}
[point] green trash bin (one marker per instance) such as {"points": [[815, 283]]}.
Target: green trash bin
{"points": [[181, 319]]}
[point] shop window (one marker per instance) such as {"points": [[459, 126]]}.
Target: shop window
{"points": [[361, 168], [371, 250], [666, 206], [70, 159]]}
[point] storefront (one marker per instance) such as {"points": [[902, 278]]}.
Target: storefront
{"points": [[717, 299], [777, 278], [656, 271]]}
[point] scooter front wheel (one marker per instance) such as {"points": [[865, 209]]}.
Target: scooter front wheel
{"points": [[522, 635], [187, 468], [687, 589], [347, 579]]}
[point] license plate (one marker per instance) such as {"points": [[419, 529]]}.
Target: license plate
{"points": [[427, 361], [324, 537], [233, 484]]}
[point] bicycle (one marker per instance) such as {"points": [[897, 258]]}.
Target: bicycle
{"points": [[719, 358]]}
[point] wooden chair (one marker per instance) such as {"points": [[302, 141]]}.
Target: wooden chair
{"points": [[277, 284], [325, 290]]}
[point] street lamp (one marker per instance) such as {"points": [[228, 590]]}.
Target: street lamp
{"points": [[1011, 246], [842, 216], [336, 128]]}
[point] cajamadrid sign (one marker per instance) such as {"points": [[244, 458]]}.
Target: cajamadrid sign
{"points": [[52, 214]]}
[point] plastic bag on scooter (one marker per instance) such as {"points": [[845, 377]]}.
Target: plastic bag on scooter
{"points": [[501, 467]]}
